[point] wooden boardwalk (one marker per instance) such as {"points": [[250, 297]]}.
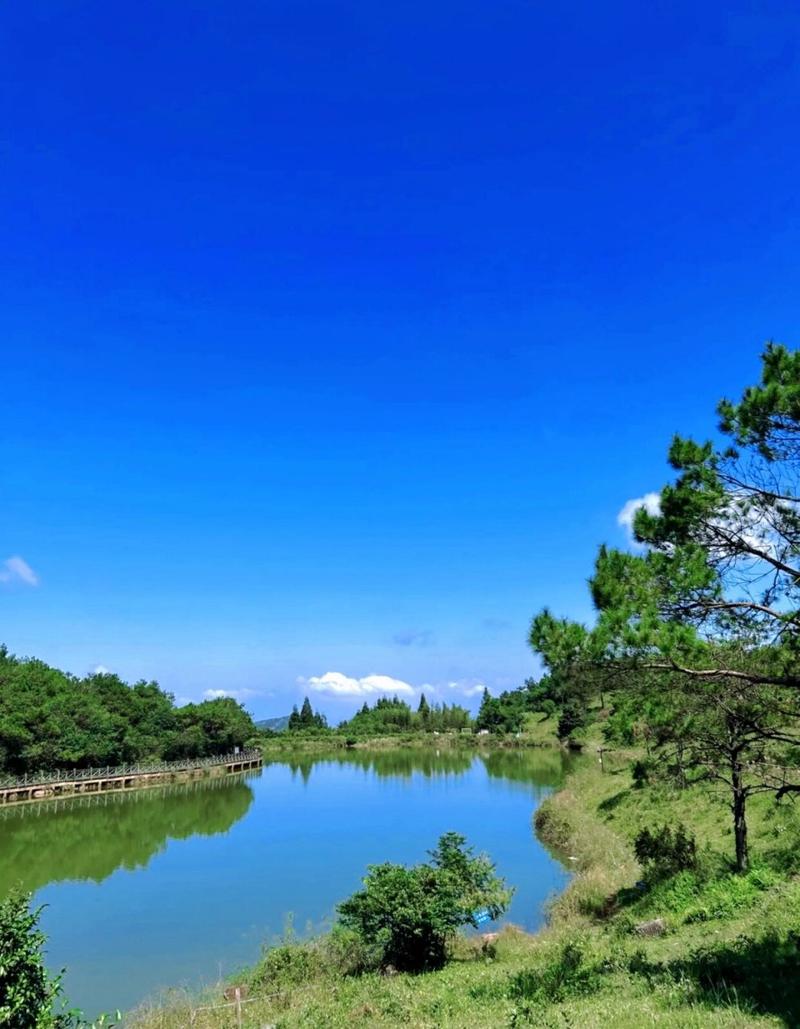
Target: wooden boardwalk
{"points": [[126, 777]]}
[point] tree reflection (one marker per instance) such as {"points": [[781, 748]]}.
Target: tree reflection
{"points": [[385, 764], [90, 837], [542, 767]]}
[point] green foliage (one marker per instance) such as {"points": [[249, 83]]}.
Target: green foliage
{"points": [[507, 712], [665, 851], [213, 727], [692, 897], [27, 992], [288, 965], [699, 630], [640, 773], [407, 917], [567, 973], [306, 719], [573, 717], [390, 716], [49, 719]]}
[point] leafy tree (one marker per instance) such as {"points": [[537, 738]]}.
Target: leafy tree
{"points": [[50, 719], [709, 611], [28, 993], [408, 916], [213, 727], [508, 711]]}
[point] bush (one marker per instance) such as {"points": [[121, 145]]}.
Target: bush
{"points": [[288, 965], [640, 773], [665, 852], [407, 917], [566, 974], [573, 716], [345, 953], [27, 992]]}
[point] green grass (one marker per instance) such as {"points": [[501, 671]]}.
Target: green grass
{"points": [[730, 955]]}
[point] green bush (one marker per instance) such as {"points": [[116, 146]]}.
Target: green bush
{"points": [[407, 917], [345, 953], [27, 992], [566, 974], [573, 717], [288, 965], [640, 773], [665, 852]]}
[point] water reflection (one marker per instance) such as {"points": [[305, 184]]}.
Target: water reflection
{"points": [[89, 837], [542, 768], [539, 767]]}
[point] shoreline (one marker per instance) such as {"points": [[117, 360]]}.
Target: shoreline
{"points": [[591, 964]]}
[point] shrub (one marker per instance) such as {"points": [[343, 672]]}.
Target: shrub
{"points": [[665, 852], [288, 965], [640, 773], [344, 952], [407, 917], [566, 974], [27, 992], [573, 716]]}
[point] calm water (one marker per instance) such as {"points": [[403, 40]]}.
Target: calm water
{"points": [[175, 886]]}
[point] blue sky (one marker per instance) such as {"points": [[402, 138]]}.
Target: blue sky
{"points": [[336, 335]]}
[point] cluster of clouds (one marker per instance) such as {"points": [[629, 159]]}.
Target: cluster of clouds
{"points": [[368, 687], [337, 684], [16, 570]]}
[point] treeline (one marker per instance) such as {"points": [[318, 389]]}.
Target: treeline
{"points": [[386, 717], [392, 715], [50, 719]]}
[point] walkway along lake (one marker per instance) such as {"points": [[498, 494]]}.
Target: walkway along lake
{"points": [[178, 885]]}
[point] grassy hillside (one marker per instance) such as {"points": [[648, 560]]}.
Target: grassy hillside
{"points": [[728, 954]]}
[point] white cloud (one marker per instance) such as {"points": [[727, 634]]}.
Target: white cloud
{"points": [[15, 569], [235, 694], [336, 684], [466, 687], [101, 670], [651, 502]]}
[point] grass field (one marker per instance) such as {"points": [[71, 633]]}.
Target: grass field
{"points": [[729, 954]]}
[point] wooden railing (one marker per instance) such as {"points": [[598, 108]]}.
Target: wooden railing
{"points": [[77, 775]]}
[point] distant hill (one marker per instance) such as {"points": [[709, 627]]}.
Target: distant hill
{"points": [[276, 724]]}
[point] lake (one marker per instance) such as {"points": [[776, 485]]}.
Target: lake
{"points": [[178, 885]]}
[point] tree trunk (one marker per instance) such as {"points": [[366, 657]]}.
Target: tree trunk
{"points": [[739, 821]]}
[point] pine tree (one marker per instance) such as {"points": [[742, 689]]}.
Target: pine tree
{"points": [[306, 714], [424, 712]]}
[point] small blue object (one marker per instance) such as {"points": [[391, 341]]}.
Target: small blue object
{"points": [[482, 916]]}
